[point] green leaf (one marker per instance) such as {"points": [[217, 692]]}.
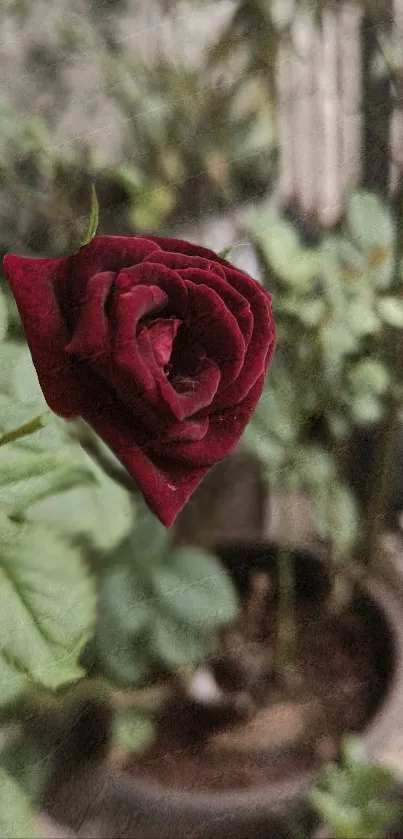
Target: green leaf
{"points": [[47, 609], [337, 342], [27, 477], [149, 539], [367, 410], [130, 178], [122, 661], [269, 451], [362, 319], [281, 249], [343, 521], [195, 589], [369, 377], [16, 816], [311, 312], [225, 252], [125, 613], [391, 311], [101, 512], [93, 219], [28, 764], [10, 355], [177, 645], [132, 730], [3, 317], [124, 593], [350, 797], [373, 229]]}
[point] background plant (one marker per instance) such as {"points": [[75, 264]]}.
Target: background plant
{"points": [[352, 797]]}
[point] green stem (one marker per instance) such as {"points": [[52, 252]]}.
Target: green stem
{"points": [[378, 502], [23, 431], [89, 443], [285, 652]]}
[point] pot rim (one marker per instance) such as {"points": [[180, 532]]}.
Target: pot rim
{"points": [[274, 798]]}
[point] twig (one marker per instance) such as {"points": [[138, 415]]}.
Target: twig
{"points": [[90, 445]]}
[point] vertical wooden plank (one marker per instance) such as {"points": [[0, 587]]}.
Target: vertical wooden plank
{"points": [[282, 14], [396, 128], [330, 113], [284, 124], [351, 94], [304, 111]]}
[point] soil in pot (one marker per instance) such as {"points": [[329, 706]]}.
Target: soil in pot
{"points": [[341, 676]]}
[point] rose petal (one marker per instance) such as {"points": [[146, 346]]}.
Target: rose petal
{"points": [[162, 333], [180, 261], [224, 432], [165, 484], [186, 432], [180, 246], [212, 325], [129, 309], [135, 371], [150, 274], [33, 283], [237, 304], [91, 340], [261, 346]]}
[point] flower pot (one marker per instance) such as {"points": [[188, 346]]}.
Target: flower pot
{"points": [[102, 801], [229, 505]]}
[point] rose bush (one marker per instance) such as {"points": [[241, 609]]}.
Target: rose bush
{"points": [[161, 346]]}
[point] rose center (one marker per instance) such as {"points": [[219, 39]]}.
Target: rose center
{"points": [[162, 333]]}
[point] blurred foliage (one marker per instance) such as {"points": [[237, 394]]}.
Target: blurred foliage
{"points": [[159, 606], [191, 146], [332, 373], [352, 797], [192, 139]]}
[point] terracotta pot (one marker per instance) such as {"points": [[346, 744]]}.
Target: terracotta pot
{"points": [[105, 802]]}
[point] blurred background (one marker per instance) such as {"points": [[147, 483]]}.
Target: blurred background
{"points": [[187, 114]]}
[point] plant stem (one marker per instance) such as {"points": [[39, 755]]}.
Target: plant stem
{"points": [[89, 443], [378, 502], [286, 628], [23, 431]]}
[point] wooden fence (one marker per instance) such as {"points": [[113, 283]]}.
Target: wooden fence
{"points": [[339, 118]]}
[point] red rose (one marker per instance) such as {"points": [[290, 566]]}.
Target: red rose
{"points": [[160, 345]]}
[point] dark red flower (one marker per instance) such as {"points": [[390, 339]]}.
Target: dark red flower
{"points": [[160, 345]]}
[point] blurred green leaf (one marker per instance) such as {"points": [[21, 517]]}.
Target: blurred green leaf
{"points": [[195, 589], [47, 608], [225, 252], [373, 229], [151, 207], [3, 317], [102, 512], [10, 354], [17, 819], [344, 521], [283, 253], [27, 477], [130, 177], [363, 319], [337, 343], [125, 613], [133, 730], [28, 764], [149, 539], [369, 376], [177, 644], [390, 310], [350, 797], [367, 410]]}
